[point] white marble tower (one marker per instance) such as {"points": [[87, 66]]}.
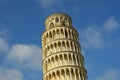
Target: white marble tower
{"points": [[61, 51]]}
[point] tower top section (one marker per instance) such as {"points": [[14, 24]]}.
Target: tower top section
{"points": [[57, 20]]}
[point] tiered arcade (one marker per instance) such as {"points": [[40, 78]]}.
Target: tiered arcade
{"points": [[61, 51]]}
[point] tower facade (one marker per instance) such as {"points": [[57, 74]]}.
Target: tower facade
{"points": [[61, 51]]}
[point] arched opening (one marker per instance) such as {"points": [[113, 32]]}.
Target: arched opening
{"points": [[53, 34], [77, 75], [58, 75], [63, 23], [63, 45], [65, 59], [51, 25], [62, 75], [67, 74], [61, 60], [52, 61], [49, 64], [56, 19], [70, 59], [56, 61], [55, 47], [61, 18], [73, 75], [50, 78], [66, 34], [59, 46], [71, 46], [62, 33], [78, 62], [74, 59], [68, 46]]}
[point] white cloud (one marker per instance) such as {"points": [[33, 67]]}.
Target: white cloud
{"points": [[110, 75], [91, 38], [3, 45], [110, 25], [27, 55], [10, 74]]}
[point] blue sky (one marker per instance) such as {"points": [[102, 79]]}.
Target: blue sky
{"points": [[22, 24]]}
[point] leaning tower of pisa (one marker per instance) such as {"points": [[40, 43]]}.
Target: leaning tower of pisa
{"points": [[61, 51]]}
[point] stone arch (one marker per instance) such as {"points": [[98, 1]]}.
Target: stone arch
{"points": [[65, 19], [63, 45], [61, 18], [49, 64], [53, 76], [57, 34], [47, 77], [51, 47], [53, 34], [67, 74], [67, 44], [77, 74], [56, 61], [58, 74], [72, 73], [51, 25], [50, 34], [57, 31], [69, 33], [74, 60], [56, 19], [75, 47], [71, 45], [50, 77], [70, 59], [46, 68], [63, 23], [47, 40], [78, 61], [61, 59], [65, 59], [62, 74], [81, 74], [52, 61], [66, 34], [62, 33], [55, 47], [59, 46], [48, 50]]}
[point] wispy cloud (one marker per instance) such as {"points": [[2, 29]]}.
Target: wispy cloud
{"points": [[4, 1], [94, 36], [10, 74], [46, 4], [3, 45], [4, 31], [112, 74], [110, 25]]}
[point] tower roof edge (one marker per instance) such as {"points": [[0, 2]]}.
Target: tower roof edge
{"points": [[56, 15]]}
